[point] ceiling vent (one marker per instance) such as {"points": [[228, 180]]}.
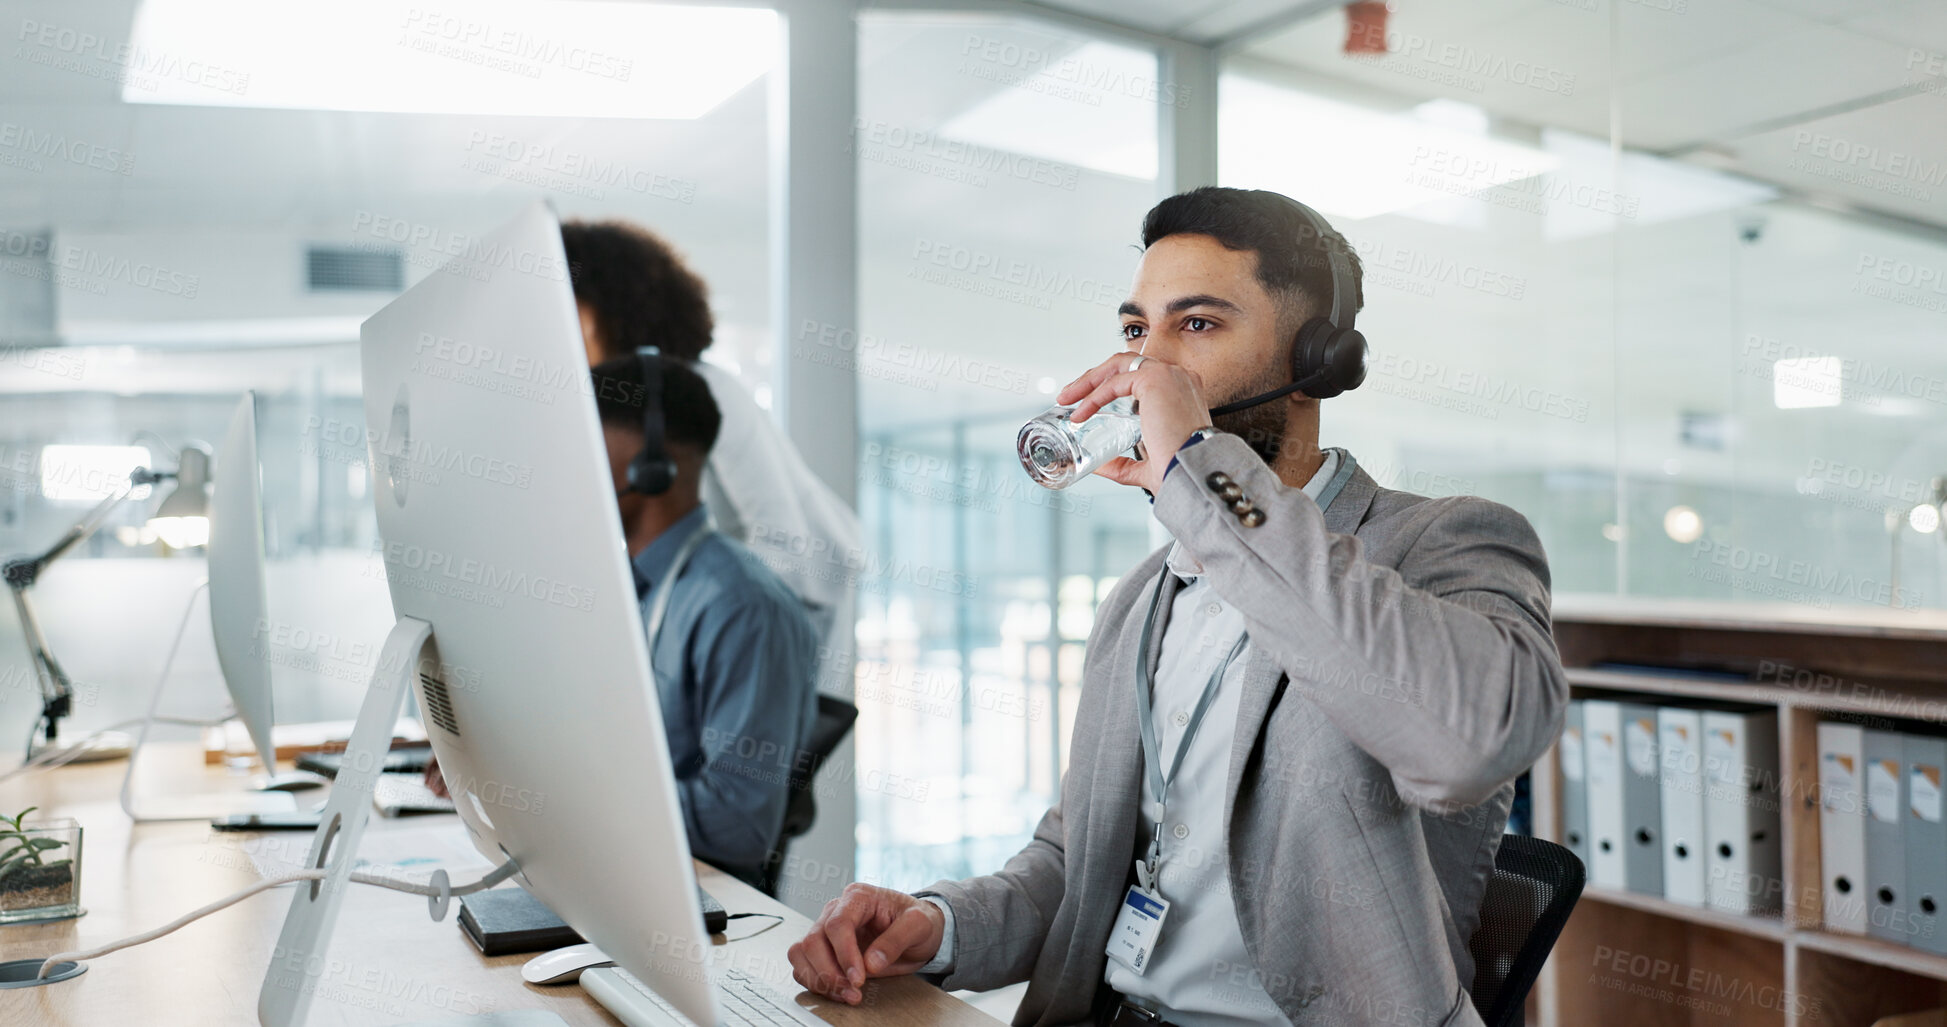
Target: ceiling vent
{"points": [[354, 269]]}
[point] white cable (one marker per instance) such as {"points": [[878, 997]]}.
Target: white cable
{"points": [[61, 757], [155, 702], [437, 889]]}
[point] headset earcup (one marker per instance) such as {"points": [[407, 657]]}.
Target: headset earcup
{"points": [[651, 477], [1308, 349], [1344, 362]]}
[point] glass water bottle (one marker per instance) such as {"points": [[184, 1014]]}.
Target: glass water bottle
{"points": [[1057, 452]]}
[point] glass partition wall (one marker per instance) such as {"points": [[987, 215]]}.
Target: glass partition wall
{"points": [[1668, 278], [188, 211]]}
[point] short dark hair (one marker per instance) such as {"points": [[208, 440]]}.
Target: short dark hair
{"points": [[690, 414], [1293, 259], [641, 292]]}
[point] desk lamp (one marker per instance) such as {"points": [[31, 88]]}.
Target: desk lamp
{"points": [[182, 518]]}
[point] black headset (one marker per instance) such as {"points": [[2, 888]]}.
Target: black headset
{"points": [[652, 472], [1328, 356]]}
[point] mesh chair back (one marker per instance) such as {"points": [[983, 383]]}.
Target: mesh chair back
{"points": [[1534, 888], [832, 724]]}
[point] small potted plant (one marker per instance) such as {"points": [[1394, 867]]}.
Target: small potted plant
{"points": [[38, 881]]}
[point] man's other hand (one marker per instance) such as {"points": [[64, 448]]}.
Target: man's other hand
{"points": [[435, 781], [866, 932]]}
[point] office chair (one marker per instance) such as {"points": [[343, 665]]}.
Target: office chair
{"points": [[1528, 900], [833, 722]]}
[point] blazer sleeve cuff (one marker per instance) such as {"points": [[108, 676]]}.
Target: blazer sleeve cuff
{"points": [[1187, 500]]}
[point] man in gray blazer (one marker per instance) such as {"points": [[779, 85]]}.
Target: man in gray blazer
{"points": [[1340, 683]]}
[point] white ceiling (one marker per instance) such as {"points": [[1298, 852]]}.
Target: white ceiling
{"points": [[1730, 81]]}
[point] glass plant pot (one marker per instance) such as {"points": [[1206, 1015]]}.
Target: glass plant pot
{"points": [[40, 871]]}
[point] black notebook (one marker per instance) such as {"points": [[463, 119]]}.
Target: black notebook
{"points": [[503, 921]]}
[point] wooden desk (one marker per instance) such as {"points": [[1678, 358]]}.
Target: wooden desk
{"points": [[389, 962]]}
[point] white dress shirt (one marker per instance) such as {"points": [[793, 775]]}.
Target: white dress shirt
{"points": [[1200, 974]]}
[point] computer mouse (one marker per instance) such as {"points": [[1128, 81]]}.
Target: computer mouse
{"points": [[564, 965]]}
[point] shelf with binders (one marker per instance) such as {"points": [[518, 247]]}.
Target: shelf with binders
{"points": [[1879, 669]]}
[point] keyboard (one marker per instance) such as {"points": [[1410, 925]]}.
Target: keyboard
{"points": [[404, 760], [393, 794], [743, 1000]]}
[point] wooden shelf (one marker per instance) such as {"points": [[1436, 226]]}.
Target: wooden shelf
{"points": [[1807, 664], [1874, 951], [1756, 926], [1676, 683], [1857, 697], [1843, 621]]}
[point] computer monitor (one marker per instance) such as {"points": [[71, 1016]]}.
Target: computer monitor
{"points": [[519, 629], [239, 608], [239, 596]]}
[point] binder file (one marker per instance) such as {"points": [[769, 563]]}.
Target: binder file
{"points": [[1741, 811], [1887, 913], [1575, 788], [1642, 801], [1679, 740], [1926, 841], [1602, 745], [1842, 825]]}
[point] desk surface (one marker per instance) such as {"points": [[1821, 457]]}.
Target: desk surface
{"points": [[389, 962]]}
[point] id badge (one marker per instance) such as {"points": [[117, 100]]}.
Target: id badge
{"points": [[1132, 941]]}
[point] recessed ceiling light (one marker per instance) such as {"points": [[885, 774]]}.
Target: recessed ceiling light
{"points": [[1358, 162], [560, 58], [1804, 382]]}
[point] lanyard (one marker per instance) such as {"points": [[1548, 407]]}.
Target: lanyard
{"points": [[1159, 781], [660, 606]]}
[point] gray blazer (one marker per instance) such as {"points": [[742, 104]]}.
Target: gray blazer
{"points": [[1403, 675]]}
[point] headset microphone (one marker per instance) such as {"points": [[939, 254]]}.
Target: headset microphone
{"points": [[652, 472], [1328, 356]]}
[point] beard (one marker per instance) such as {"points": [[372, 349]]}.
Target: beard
{"points": [[1261, 426]]}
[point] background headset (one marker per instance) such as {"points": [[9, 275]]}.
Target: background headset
{"points": [[1328, 356], [652, 472]]}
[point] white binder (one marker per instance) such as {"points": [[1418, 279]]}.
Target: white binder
{"points": [[1602, 751], [1842, 825], [1575, 785], [1741, 811], [1679, 743]]}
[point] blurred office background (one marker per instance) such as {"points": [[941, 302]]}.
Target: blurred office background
{"points": [[1667, 276]]}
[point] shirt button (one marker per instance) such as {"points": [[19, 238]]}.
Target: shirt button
{"points": [[1214, 609], [1182, 718], [1182, 831]]}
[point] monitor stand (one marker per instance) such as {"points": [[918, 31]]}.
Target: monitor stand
{"points": [[207, 806], [297, 963]]}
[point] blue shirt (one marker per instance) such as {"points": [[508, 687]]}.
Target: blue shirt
{"points": [[734, 669]]}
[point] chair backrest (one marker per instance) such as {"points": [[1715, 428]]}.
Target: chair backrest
{"points": [[1533, 889], [832, 724]]}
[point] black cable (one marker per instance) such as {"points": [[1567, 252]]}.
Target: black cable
{"points": [[776, 922], [1265, 397]]}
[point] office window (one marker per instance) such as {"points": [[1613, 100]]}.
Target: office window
{"points": [[1004, 168], [1704, 363], [168, 240]]}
